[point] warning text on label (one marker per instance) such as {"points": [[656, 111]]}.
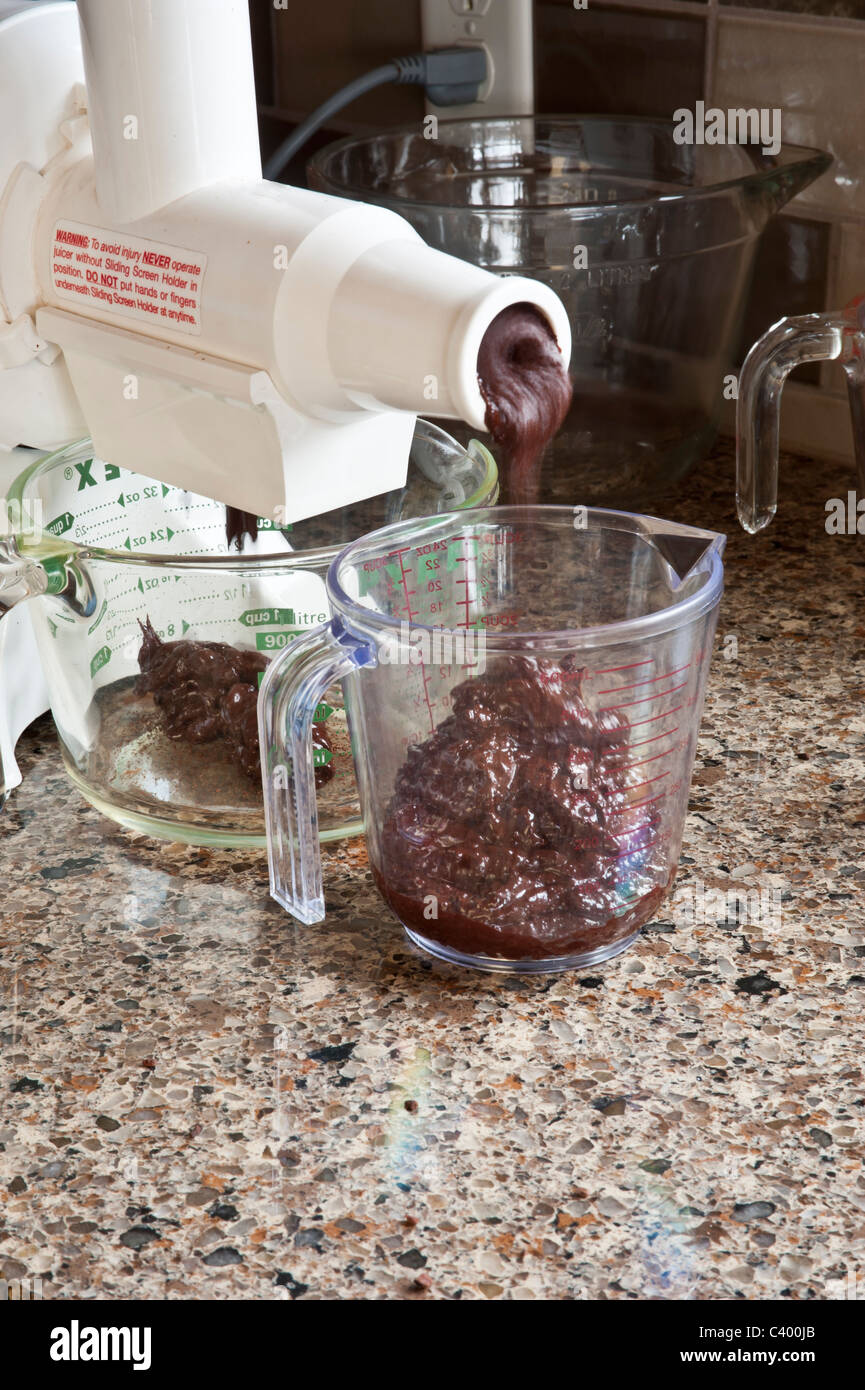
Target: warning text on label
{"points": [[128, 275]]}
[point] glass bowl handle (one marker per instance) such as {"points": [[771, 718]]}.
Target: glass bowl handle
{"points": [[20, 578], [790, 342], [291, 689]]}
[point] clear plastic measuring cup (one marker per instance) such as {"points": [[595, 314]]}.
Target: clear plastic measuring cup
{"points": [[838, 335], [523, 689], [172, 750]]}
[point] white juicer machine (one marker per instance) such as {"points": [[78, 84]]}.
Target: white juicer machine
{"points": [[259, 344]]}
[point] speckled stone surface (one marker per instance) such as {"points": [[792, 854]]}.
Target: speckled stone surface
{"points": [[200, 1099]]}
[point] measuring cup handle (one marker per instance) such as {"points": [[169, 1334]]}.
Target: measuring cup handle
{"points": [[292, 687], [789, 343]]}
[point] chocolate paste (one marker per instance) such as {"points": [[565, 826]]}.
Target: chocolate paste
{"points": [[527, 392], [509, 819], [208, 691], [239, 525]]}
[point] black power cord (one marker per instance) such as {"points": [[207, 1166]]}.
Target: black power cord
{"points": [[451, 76]]}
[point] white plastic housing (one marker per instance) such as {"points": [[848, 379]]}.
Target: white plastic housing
{"points": [[428, 312], [41, 99], [257, 343], [171, 99]]}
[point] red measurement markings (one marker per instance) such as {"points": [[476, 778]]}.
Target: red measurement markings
{"points": [[465, 601], [654, 739], [412, 614], [665, 714], [429, 702], [632, 829], [617, 689], [614, 855], [627, 902], [467, 598], [645, 700], [635, 805], [638, 849], [502, 620], [641, 762], [635, 786], [611, 670], [404, 581]]}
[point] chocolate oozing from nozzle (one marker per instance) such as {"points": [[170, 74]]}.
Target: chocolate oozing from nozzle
{"points": [[206, 691], [239, 525], [527, 393]]}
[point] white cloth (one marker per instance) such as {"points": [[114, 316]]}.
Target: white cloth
{"points": [[23, 691]]}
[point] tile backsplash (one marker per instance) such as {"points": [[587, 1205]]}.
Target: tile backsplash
{"points": [[335, 42], [791, 276], [657, 67], [815, 75], [805, 57], [649, 58]]}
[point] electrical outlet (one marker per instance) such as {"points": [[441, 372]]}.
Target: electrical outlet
{"points": [[504, 29]]}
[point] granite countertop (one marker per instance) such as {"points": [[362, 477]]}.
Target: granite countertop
{"points": [[201, 1099]]}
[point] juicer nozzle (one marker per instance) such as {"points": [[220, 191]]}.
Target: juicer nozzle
{"points": [[406, 326]]}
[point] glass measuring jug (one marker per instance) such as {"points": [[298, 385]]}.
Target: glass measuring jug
{"points": [[649, 244], [523, 689], [130, 577], [838, 335]]}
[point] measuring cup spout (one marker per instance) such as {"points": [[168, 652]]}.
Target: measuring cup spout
{"points": [[683, 547], [789, 343], [289, 694], [793, 170]]}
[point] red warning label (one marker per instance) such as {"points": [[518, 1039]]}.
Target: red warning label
{"points": [[128, 275]]}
